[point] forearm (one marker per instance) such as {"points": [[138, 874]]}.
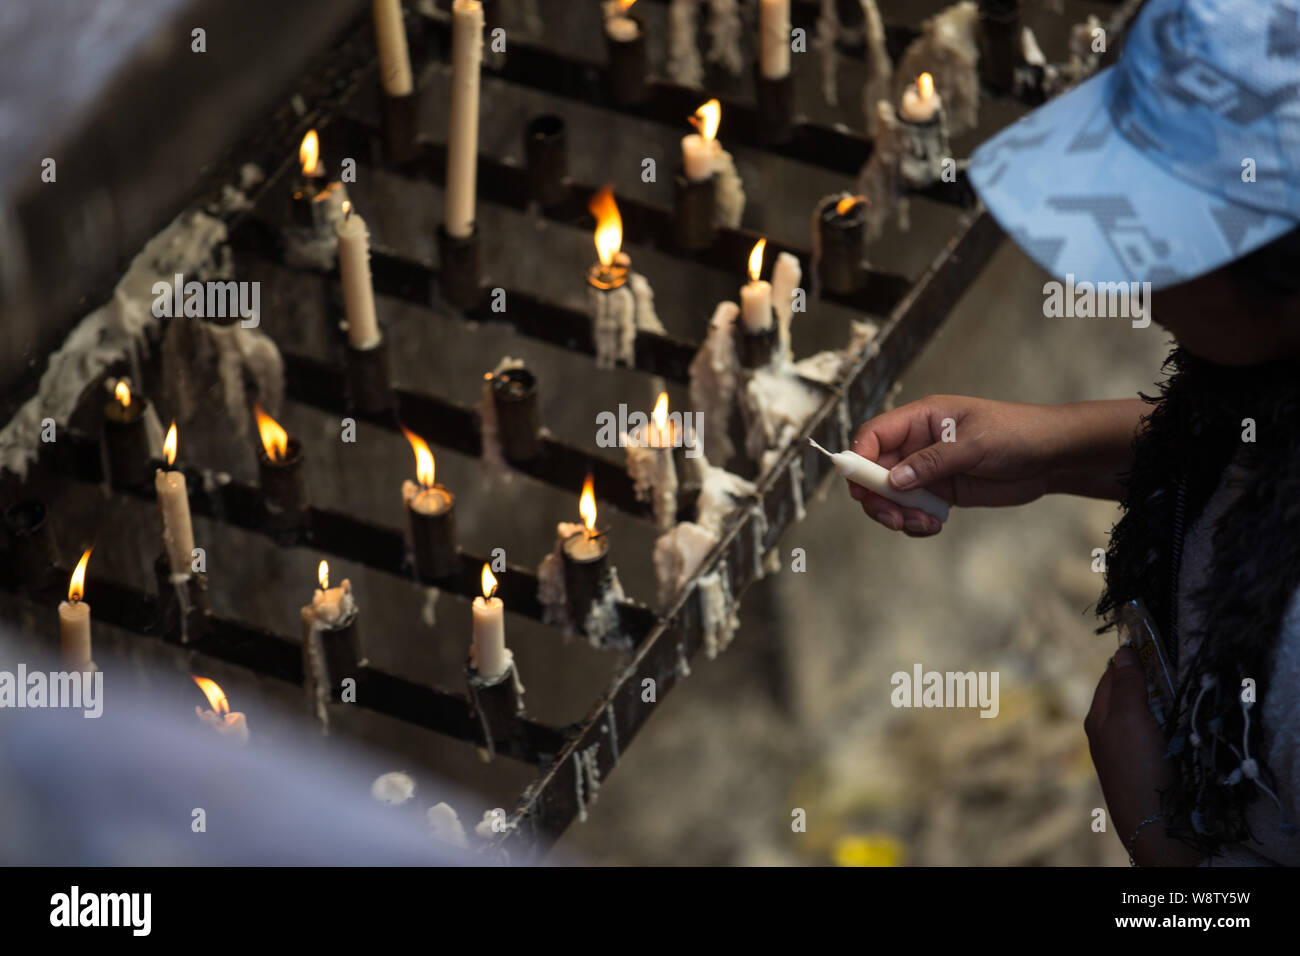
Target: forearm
{"points": [[1096, 447]]}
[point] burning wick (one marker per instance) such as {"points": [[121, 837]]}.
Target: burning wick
{"points": [[332, 607], [347, 209], [920, 102], [874, 477], [275, 440], [431, 516], [220, 718], [610, 270], [700, 150], [756, 295], [846, 204], [74, 621], [587, 506], [123, 393], [309, 155], [169, 445]]}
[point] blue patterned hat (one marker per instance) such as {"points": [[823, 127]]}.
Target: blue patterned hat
{"points": [[1183, 156]]}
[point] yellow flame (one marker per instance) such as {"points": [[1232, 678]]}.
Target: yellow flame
{"points": [[609, 225], [169, 445], [323, 575], [77, 586], [275, 440], [625, 5], [847, 203], [216, 697], [756, 259], [661, 412], [309, 153], [347, 207], [489, 582], [123, 393], [707, 118], [423, 457], [925, 85], [587, 504]]}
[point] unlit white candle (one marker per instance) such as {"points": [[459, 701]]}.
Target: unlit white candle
{"points": [[462, 142], [394, 57], [74, 634], [699, 155], [774, 38], [358, 291], [874, 477], [490, 655], [177, 528], [756, 305]]}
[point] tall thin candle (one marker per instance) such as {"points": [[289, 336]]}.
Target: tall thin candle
{"points": [[354, 272], [174, 511], [74, 621], [462, 142]]}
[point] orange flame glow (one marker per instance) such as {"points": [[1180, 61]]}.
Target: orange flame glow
{"points": [[216, 697], [77, 586], [323, 575], [609, 225], [423, 458], [847, 203], [123, 393], [625, 5], [587, 505], [707, 118], [756, 260], [169, 445], [489, 582], [660, 413], [309, 153], [925, 85], [275, 440]]}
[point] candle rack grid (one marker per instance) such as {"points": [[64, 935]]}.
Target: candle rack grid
{"points": [[657, 645]]}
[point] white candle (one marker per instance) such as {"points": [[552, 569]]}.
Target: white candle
{"points": [[701, 151], [618, 27], [174, 511], [220, 718], [756, 295], [490, 655], [774, 38], [920, 101], [354, 271], [868, 474], [394, 57], [462, 142], [332, 607], [74, 634]]}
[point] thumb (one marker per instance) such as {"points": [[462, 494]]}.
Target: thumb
{"points": [[933, 463], [1129, 682]]}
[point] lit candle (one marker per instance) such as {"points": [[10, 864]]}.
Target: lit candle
{"points": [[354, 272], [310, 195], [700, 151], [462, 142], [585, 555], [174, 511], [618, 26], [920, 102], [394, 57], [774, 38], [74, 621], [430, 511], [756, 295], [651, 467], [489, 651], [126, 437], [332, 607], [220, 718], [611, 301], [279, 468]]}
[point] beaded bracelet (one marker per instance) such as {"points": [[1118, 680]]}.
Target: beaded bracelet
{"points": [[1132, 842]]}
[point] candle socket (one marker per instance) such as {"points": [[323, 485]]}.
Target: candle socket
{"points": [[399, 121], [695, 211], [755, 349], [126, 442], [775, 102], [497, 704], [29, 544], [433, 538], [514, 397], [183, 606], [999, 43], [340, 651], [368, 382], [625, 76], [284, 494], [546, 146], [458, 265], [926, 145], [308, 203], [843, 240], [585, 575]]}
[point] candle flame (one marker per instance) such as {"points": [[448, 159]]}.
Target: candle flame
{"points": [[756, 259], [169, 445], [489, 582], [848, 202], [423, 457], [275, 440], [925, 85], [660, 413], [609, 225], [123, 393], [625, 5], [323, 575], [347, 208], [216, 697], [309, 153], [77, 586], [707, 118], [587, 505]]}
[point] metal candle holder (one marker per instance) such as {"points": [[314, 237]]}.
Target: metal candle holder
{"points": [[999, 43], [340, 648], [368, 380], [399, 124], [843, 242], [29, 544], [126, 442], [496, 703], [755, 349], [283, 490], [775, 101], [514, 397], [695, 211], [458, 268], [585, 578], [626, 73], [546, 145], [433, 537], [926, 148], [183, 606]]}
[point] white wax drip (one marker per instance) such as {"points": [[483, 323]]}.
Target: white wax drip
{"points": [[601, 622], [316, 246], [611, 730], [828, 32], [714, 377], [948, 50], [758, 525], [796, 489], [730, 192], [720, 620], [445, 825], [394, 788], [725, 31], [429, 611], [551, 594], [654, 478], [586, 772], [877, 86], [684, 66], [683, 665]]}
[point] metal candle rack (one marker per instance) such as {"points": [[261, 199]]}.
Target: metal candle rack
{"points": [[657, 643]]}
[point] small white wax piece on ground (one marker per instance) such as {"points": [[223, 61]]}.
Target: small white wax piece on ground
{"points": [[868, 474], [393, 788], [445, 825]]}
